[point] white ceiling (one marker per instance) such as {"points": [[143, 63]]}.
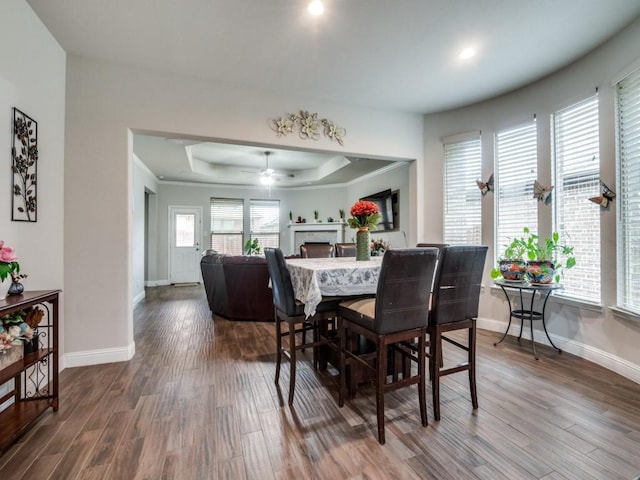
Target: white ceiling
{"points": [[399, 55]]}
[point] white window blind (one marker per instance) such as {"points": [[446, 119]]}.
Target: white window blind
{"points": [[628, 195], [265, 222], [226, 225], [516, 170], [576, 157], [462, 197]]}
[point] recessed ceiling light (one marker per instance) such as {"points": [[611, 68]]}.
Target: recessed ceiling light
{"points": [[467, 53], [316, 8]]}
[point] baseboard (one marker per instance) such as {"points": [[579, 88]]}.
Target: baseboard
{"points": [[156, 283], [97, 357], [138, 298], [595, 355]]}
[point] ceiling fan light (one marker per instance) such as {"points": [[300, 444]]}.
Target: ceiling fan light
{"points": [[316, 8], [266, 180]]}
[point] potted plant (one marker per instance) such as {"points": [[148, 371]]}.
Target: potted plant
{"points": [[252, 247], [316, 216], [547, 258], [290, 216], [341, 212], [512, 266]]}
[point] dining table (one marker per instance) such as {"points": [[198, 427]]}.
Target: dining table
{"points": [[314, 278]]}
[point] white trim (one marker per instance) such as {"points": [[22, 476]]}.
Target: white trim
{"points": [[625, 72], [138, 298], [100, 356], [592, 354], [624, 314], [461, 137], [156, 283]]}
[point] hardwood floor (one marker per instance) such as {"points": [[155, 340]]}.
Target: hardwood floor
{"points": [[198, 401]]}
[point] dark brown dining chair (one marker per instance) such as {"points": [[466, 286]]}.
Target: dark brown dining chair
{"points": [[345, 249], [394, 318], [316, 250], [291, 311], [454, 306], [439, 246]]}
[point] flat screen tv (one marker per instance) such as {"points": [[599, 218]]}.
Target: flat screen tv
{"points": [[387, 202]]}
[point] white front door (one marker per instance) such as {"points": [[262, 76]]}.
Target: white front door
{"points": [[184, 244]]}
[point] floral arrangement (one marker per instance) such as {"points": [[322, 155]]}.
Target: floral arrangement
{"points": [[8, 262], [364, 215], [378, 247], [18, 327]]}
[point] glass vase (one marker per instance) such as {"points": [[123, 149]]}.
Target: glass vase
{"points": [[363, 250]]}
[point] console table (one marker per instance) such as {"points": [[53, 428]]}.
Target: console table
{"points": [[32, 378], [528, 313]]}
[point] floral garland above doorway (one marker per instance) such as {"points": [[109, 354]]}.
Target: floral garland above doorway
{"points": [[308, 126], [24, 154]]}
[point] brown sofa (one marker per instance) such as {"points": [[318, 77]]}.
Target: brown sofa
{"points": [[237, 286]]}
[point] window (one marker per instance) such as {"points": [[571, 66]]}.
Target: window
{"points": [[576, 160], [516, 170], [226, 225], [462, 198], [265, 222], [628, 207]]}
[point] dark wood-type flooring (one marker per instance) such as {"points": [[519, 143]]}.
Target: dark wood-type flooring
{"points": [[198, 401]]}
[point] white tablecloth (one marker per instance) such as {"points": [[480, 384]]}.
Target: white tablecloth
{"points": [[313, 278]]}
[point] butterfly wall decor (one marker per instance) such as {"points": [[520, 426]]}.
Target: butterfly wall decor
{"points": [[543, 194], [606, 195], [485, 186]]}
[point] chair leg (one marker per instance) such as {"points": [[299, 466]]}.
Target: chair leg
{"points": [[278, 348], [436, 345], [422, 386], [472, 365], [381, 380], [343, 362], [292, 356]]}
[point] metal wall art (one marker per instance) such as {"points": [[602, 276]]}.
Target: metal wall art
{"points": [[308, 126], [485, 187], [543, 194], [606, 195], [24, 154]]}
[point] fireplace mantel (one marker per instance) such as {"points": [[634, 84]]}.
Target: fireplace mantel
{"points": [[332, 232]]}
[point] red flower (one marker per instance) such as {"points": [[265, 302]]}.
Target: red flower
{"points": [[365, 214], [364, 208]]}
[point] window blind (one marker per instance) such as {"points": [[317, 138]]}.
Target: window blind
{"points": [[516, 168], [227, 216], [576, 157], [628, 206], [265, 222], [462, 197]]}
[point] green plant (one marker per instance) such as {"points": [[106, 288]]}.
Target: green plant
{"points": [[341, 211], [290, 215], [550, 249], [516, 251], [535, 249], [316, 215], [252, 247]]}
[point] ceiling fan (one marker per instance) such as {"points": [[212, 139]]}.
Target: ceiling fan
{"points": [[268, 175]]}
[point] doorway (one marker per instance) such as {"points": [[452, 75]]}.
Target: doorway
{"points": [[184, 244]]}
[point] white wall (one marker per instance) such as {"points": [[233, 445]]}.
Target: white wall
{"points": [[592, 333], [32, 78], [395, 179], [104, 102]]}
